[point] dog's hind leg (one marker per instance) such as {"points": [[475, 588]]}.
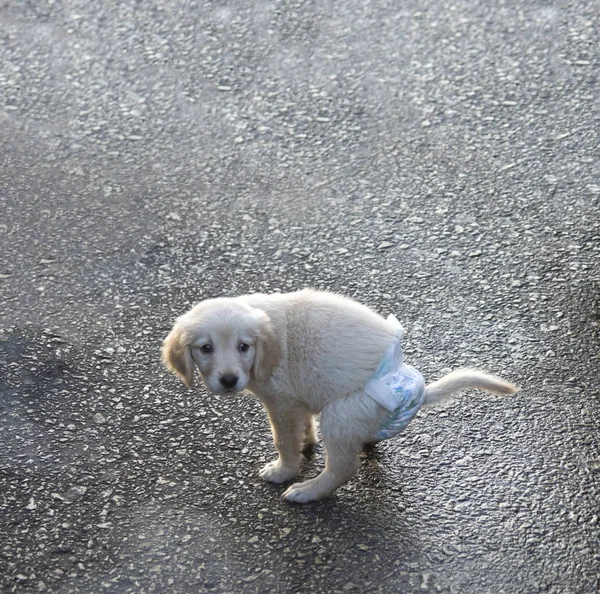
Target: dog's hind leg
{"points": [[345, 426], [342, 464], [288, 425]]}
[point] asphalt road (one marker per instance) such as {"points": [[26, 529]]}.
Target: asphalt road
{"points": [[435, 160]]}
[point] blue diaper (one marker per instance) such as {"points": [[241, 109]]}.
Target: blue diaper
{"points": [[398, 387]]}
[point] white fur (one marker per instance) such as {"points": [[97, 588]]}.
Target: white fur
{"points": [[308, 353]]}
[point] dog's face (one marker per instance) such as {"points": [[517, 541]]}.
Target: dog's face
{"points": [[229, 342]]}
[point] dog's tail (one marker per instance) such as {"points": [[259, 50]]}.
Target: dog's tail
{"points": [[463, 379]]}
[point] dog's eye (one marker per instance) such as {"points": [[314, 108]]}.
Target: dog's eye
{"points": [[206, 349], [244, 347]]}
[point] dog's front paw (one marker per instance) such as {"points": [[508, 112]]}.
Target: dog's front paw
{"points": [[303, 492], [276, 472]]}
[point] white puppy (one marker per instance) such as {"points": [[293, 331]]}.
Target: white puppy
{"points": [[302, 354]]}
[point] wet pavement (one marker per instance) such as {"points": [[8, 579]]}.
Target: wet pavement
{"points": [[435, 161]]}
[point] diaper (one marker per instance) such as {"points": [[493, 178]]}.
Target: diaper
{"points": [[396, 386]]}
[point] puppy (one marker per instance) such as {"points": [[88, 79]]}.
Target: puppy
{"points": [[303, 354]]}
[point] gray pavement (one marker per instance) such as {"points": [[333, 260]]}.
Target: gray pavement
{"points": [[434, 160]]}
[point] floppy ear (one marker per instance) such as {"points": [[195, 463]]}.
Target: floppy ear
{"points": [[177, 355], [268, 349]]}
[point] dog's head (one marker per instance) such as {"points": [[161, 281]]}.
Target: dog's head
{"points": [[230, 342]]}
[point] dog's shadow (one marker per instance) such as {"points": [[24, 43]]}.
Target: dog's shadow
{"points": [[370, 507], [371, 454]]}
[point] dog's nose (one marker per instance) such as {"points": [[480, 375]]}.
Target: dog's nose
{"points": [[228, 381]]}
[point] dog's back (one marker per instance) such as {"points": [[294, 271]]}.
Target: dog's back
{"points": [[332, 344]]}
